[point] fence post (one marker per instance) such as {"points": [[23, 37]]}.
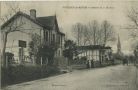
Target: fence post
{"points": [[6, 61], [41, 61]]}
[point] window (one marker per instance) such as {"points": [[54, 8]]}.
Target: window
{"points": [[53, 37], [59, 39], [59, 52], [46, 36]]}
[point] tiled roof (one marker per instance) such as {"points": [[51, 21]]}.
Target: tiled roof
{"points": [[15, 16], [46, 22], [93, 47]]}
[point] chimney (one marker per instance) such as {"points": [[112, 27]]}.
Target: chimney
{"points": [[33, 13]]}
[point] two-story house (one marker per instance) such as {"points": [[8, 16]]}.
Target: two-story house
{"points": [[26, 25]]}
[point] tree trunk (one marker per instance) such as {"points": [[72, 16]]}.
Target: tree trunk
{"points": [[94, 37], [4, 39], [105, 38]]}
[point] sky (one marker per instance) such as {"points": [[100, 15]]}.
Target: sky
{"points": [[68, 13]]}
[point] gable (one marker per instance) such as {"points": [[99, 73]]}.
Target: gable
{"points": [[49, 22], [15, 17], [46, 21], [24, 24]]}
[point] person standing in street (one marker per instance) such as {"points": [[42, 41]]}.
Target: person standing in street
{"points": [[92, 63], [136, 56], [124, 61], [87, 64]]}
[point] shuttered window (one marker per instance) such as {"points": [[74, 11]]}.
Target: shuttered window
{"points": [[45, 35]]}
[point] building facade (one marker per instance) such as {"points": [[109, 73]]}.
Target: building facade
{"points": [[27, 25], [95, 53]]}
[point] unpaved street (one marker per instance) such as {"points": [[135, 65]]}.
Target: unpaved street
{"points": [[108, 78]]}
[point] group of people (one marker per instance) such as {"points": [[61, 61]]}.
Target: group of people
{"points": [[125, 61], [90, 64]]}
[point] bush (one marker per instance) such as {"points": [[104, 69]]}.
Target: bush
{"points": [[18, 74]]}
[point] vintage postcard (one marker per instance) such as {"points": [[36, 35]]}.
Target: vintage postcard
{"points": [[69, 45]]}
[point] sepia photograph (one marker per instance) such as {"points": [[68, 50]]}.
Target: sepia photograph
{"points": [[69, 45]]}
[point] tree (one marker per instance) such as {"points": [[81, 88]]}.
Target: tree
{"points": [[108, 32], [34, 46], [11, 27], [47, 53], [42, 51], [132, 15], [93, 33], [133, 26], [78, 32], [70, 50], [85, 35], [93, 28]]}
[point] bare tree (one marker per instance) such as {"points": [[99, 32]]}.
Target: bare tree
{"points": [[11, 27], [78, 31], [81, 34], [133, 17], [108, 32], [13, 7], [133, 28], [93, 33], [85, 35], [93, 28]]}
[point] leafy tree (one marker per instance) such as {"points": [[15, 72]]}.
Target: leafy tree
{"points": [[47, 52], [34, 45], [42, 51], [70, 50]]}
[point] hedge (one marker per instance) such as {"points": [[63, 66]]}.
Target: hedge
{"points": [[18, 74]]}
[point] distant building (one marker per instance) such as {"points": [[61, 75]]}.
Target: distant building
{"points": [[119, 52], [97, 53], [46, 27]]}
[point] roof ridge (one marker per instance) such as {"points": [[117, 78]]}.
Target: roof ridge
{"points": [[45, 16], [15, 15], [45, 23]]}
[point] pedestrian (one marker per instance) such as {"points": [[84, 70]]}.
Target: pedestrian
{"points": [[127, 60], [87, 64], [124, 61], [92, 63], [113, 61]]}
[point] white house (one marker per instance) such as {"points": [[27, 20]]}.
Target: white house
{"points": [[26, 25]]}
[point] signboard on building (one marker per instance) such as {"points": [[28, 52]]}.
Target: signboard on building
{"points": [[22, 43]]}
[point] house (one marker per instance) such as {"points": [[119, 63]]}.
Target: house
{"points": [[97, 53], [27, 25]]}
